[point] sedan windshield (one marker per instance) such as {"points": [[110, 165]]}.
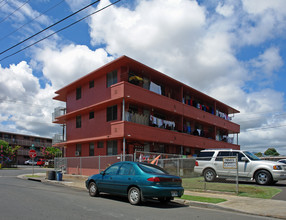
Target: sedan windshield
{"points": [[148, 168], [251, 156]]}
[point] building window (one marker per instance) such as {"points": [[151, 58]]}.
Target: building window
{"points": [[78, 93], [111, 78], [91, 115], [78, 150], [112, 147], [111, 113], [100, 144], [91, 84], [78, 121], [91, 149]]}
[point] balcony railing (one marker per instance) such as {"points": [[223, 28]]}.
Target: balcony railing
{"points": [[22, 152], [26, 142], [58, 138], [59, 111]]}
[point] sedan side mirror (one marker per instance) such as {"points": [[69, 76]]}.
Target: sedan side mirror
{"points": [[102, 173]]}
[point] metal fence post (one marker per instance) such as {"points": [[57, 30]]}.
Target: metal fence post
{"points": [[80, 167], [178, 168], [237, 174], [99, 163]]}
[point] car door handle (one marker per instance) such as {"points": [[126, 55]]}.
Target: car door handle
{"points": [[129, 178], [111, 178]]}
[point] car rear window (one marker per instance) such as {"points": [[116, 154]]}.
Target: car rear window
{"points": [[205, 155], [149, 168]]}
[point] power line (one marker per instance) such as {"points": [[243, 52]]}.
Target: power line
{"points": [[51, 8], [264, 128], [17, 9], [2, 100], [49, 27], [3, 4], [60, 30], [243, 120]]}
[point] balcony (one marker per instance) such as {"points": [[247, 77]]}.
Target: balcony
{"points": [[23, 152], [58, 138], [28, 143], [59, 111], [151, 134], [135, 93]]}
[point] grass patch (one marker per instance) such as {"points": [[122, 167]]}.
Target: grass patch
{"points": [[203, 199], [35, 176], [11, 168], [262, 192], [254, 191]]}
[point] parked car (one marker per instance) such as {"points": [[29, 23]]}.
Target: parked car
{"points": [[282, 161], [30, 162], [138, 181], [210, 164], [41, 162]]}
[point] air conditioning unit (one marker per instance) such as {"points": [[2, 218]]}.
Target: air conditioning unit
{"points": [[77, 153]]}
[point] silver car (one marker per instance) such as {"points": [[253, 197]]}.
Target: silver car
{"points": [[214, 163], [30, 162]]}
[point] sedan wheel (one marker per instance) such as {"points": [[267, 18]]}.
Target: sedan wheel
{"points": [[263, 177], [92, 188], [134, 196]]}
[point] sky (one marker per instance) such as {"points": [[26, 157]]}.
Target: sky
{"points": [[232, 50]]}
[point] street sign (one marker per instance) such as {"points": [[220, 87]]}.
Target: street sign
{"points": [[32, 153]]}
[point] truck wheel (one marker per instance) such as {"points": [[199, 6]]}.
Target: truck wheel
{"points": [[263, 177], [209, 175]]}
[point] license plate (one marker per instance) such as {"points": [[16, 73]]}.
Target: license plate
{"points": [[174, 193]]}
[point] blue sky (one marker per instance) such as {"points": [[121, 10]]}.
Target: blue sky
{"points": [[232, 50]]}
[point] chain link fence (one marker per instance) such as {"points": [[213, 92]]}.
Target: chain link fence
{"points": [[87, 165], [184, 167], [173, 164]]}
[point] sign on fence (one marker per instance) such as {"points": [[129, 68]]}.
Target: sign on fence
{"points": [[229, 163]]}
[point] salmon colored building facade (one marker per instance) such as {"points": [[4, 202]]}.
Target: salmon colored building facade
{"points": [[125, 106]]}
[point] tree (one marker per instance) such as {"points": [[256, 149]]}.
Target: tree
{"points": [[259, 154], [7, 153], [271, 152], [51, 152]]}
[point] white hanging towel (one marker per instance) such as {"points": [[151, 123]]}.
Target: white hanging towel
{"points": [[155, 88]]}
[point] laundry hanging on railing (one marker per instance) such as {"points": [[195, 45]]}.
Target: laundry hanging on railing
{"points": [[160, 123], [155, 88]]}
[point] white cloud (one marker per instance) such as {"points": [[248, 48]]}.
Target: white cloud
{"points": [[225, 10], [24, 106], [65, 65], [18, 81], [268, 62], [261, 6], [261, 21]]}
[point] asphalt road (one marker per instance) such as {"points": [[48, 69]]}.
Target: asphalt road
{"points": [[24, 199]]}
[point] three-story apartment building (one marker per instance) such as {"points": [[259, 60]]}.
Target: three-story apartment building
{"points": [[125, 106], [26, 142]]}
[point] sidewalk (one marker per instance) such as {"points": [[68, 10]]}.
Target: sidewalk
{"points": [[261, 207]]}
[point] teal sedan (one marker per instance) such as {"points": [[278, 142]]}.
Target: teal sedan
{"points": [[138, 181]]}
